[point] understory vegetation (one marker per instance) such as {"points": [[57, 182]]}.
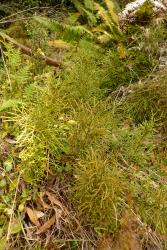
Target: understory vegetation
{"points": [[83, 118]]}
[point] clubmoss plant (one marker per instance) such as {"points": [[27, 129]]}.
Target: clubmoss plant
{"points": [[98, 189]]}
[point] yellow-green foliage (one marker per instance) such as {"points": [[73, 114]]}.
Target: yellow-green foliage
{"points": [[102, 23], [86, 10], [65, 31], [98, 189], [148, 100], [150, 198], [105, 178], [94, 124], [83, 74], [42, 133], [108, 145]]}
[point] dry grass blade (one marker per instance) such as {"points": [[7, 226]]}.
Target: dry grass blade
{"points": [[46, 225], [105, 244], [12, 213]]}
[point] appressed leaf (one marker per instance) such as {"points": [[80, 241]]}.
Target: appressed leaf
{"points": [[3, 183], [8, 166], [16, 228], [32, 216]]}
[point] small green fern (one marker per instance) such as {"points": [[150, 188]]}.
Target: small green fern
{"points": [[18, 70], [93, 12], [86, 10], [66, 32], [110, 19]]}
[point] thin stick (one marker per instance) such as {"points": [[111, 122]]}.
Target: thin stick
{"points": [[15, 20], [28, 51], [6, 68], [12, 212], [23, 11], [23, 230]]}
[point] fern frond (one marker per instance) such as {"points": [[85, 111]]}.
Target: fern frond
{"points": [[99, 28], [79, 6], [104, 16], [111, 11], [13, 57], [89, 4], [22, 76], [110, 19], [84, 11], [91, 17], [11, 103], [66, 32]]}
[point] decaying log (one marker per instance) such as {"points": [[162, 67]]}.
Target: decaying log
{"points": [[28, 51]]}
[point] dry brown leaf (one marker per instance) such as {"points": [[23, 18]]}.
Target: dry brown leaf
{"points": [[53, 200], [46, 225], [43, 203], [32, 216]]}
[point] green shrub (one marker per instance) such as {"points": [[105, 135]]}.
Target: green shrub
{"points": [[63, 122], [134, 58], [151, 204], [133, 145], [42, 135], [94, 125], [104, 178], [83, 73], [123, 71], [98, 189], [148, 100]]}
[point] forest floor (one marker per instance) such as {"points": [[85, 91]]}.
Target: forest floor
{"points": [[83, 130]]}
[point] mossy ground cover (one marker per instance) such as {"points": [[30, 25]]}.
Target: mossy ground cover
{"points": [[82, 165]]}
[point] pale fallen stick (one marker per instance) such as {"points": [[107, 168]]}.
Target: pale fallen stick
{"points": [[28, 51]]}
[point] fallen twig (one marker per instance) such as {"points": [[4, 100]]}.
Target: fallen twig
{"points": [[24, 11], [28, 51], [14, 20]]}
